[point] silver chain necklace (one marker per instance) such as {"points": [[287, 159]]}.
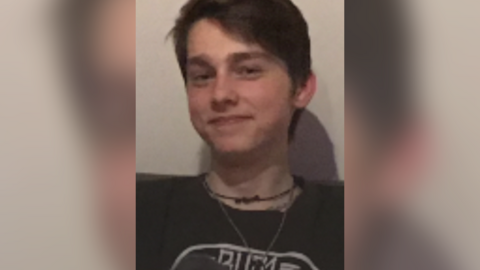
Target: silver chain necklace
{"points": [[239, 233]]}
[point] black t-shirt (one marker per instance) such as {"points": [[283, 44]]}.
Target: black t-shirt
{"points": [[180, 226]]}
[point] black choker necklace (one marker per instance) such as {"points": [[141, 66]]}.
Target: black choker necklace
{"points": [[249, 200]]}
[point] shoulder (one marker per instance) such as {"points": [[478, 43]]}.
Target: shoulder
{"points": [[323, 202], [331, 190], [154, 195], [328, 195], [154, 192], [152, 188]]}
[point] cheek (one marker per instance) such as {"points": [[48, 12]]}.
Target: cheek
{"points": [[197, 105], [272, 100]]}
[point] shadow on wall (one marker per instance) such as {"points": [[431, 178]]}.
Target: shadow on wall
{"points": [[311, 153]]}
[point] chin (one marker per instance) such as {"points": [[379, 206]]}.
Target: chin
{"points": [[230, 149], [232, 146]]}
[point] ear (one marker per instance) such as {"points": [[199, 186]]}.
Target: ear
{"points": [[304, 95]]}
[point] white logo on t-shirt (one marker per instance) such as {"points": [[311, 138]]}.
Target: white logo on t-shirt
{"points": [[240, 258]]}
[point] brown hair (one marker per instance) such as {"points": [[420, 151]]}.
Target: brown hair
{"points": [[276, 25]]}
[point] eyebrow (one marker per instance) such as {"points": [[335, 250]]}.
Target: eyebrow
{"points": [[244, 56], [199, 60], [202, 60]]}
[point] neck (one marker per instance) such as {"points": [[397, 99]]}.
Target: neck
{"points": [[264, 174]]}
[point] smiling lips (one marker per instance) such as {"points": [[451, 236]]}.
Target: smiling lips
{"points": [[229, 120]]}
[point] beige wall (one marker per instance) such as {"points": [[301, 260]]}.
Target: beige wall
{"points": [[166, 142], [47, 203], [448, 62]]}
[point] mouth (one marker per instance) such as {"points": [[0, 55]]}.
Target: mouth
{"points": [[229, 120]]}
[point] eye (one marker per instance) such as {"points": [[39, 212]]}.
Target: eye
{"points": [[200, 79], [249, 72]]}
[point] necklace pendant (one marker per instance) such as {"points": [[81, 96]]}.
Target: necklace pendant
{"points": [[246, 200], [255, 198]]}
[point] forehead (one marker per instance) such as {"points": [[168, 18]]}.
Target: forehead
{"points": [[207, 37]]}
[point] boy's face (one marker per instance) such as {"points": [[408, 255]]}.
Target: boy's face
{"points": [[240, 97]]}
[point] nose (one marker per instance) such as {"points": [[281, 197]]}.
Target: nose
{"points": [[224, 93]]}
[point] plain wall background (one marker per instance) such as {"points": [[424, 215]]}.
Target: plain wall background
{"points": [[166, 141]]}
